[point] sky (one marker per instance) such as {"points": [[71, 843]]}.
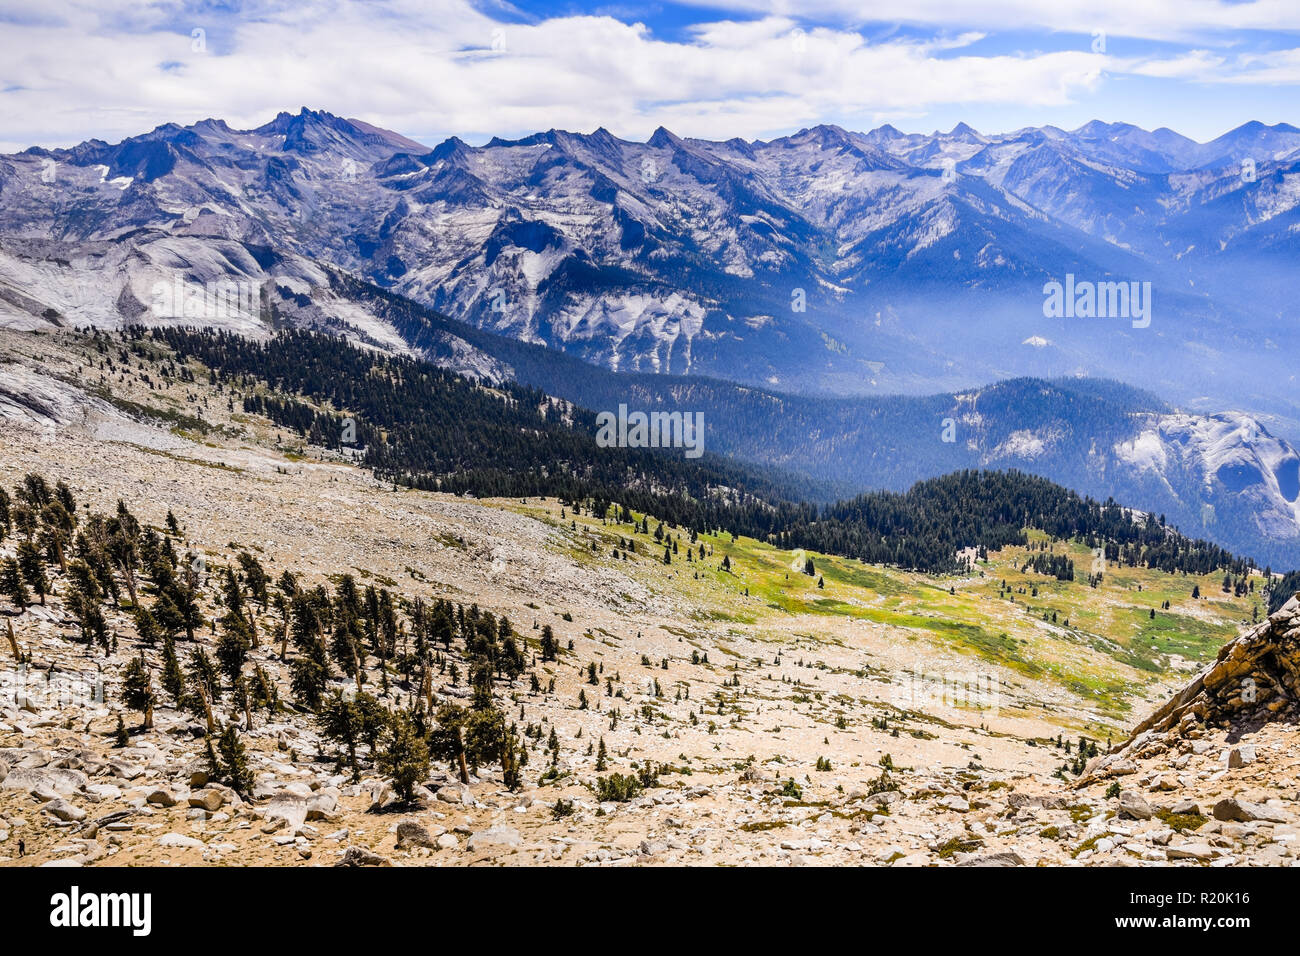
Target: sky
{"points": [[71, 70]]}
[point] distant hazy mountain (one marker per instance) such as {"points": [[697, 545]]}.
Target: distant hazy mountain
{"points": [[827, 261]]}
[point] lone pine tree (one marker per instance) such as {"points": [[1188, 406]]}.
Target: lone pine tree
{"points": [[12, 584], [239, 775], [137, 690], [32, 568], [405, 756]]}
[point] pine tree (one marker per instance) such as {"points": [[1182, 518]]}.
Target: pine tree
{"points": [[137, 690], [405, 757], [233, 646], [57, 527], [255, 578], [32, 569], [340, 721], [550, 647], [447, 742], [204, 674], [238, 773], [184, 597], [83, 599], [488, 739], [215, 770], [12, 586], [173, 678], [146, 625]]}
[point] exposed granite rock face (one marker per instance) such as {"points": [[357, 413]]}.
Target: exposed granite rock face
{"points": [[1256, 677]]}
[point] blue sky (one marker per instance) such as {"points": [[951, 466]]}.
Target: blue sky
{"points": [[73, 69]]}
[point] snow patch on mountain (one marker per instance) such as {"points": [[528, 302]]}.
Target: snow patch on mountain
{"points": [[1025, 444], [1233, 460]]}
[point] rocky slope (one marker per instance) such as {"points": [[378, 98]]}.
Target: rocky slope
{"points": [[1254, 680], [800, 737]]}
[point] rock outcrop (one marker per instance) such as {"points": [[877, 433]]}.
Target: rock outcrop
{"points": [[1254, 679]]}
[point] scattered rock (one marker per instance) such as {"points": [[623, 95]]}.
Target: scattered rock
{"points": [[289, 807], [1191, 851], [322, 803], [210, 800], [1239, 756], [495, 836], [49, 779], [63, 810], [1239, 811], [410, 833], [180, 841], [1134, 807], [359, 856], [1023, 801], [455, 793]]}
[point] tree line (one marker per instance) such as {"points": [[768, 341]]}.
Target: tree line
{"points": [[421, 426]]}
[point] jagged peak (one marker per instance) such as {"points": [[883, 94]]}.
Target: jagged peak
{"points": [[285, 121], [452, 146], [662, 138]]}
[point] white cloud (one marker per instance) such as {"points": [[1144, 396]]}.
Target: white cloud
{"points": [[1198, 65], [429, 68], [1280, 68], [1147, 19], [420, 67], [1275, 68]]}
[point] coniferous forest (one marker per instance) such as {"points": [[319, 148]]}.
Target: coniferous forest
{"points": [[421, 426]]}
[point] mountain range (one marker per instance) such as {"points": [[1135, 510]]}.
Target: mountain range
{"points": [[834, 302]]}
